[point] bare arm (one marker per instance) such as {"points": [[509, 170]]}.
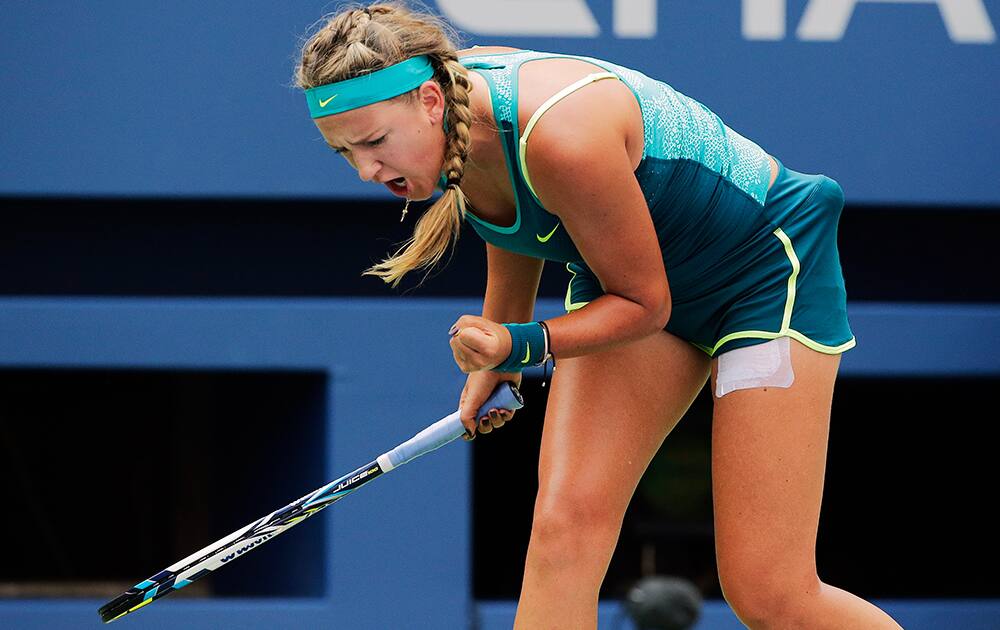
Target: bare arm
{"points": [[582, 173], [511, 287]]}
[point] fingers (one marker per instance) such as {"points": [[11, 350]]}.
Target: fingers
{"points": [[470, 424], [464, 322], [475, 340], [475, 346], [473, 349], [495, 419], [478, 387], [478, 343]]}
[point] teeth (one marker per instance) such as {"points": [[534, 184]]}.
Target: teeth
{"points": [[399, 181]]}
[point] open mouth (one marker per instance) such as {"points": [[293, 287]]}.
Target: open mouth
{"points": [[398, 186]]}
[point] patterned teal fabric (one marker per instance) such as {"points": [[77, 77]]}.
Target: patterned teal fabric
{"points": [[678, 132], [749, 286], [734, 280]]}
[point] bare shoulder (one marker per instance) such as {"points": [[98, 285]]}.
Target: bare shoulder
{"points": [[486, 50], [570, 122]]}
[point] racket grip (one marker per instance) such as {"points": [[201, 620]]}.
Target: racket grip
{"points": [[505, 396]]}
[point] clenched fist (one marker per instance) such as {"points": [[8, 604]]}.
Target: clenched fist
{"points": [[478, 343]]}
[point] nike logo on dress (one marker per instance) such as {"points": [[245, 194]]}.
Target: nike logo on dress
{"points": [[545, 239], [527, 353], [323, 103]]}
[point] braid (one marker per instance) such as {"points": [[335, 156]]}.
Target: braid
{"points": [[361, 18], [459, 116], [361, 40], [358, 55], [438, 229]]}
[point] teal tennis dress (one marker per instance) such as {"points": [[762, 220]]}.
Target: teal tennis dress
{"points": [[745, 264]]}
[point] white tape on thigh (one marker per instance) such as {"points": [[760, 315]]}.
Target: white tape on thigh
{"points": [[766, 364]]}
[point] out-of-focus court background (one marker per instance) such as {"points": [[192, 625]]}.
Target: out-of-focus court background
{"points": [[186, 343]]}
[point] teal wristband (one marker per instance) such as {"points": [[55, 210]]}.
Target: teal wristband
{"points": [[527, 347]]}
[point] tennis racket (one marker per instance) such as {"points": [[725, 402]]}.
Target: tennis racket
{"points": [[239, 543]]}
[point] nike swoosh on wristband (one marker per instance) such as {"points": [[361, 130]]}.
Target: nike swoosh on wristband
{"points": [[527, 353], [544, 239], [323, 103]]}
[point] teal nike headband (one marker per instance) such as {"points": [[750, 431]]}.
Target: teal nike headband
{"points": [[381, 85]]}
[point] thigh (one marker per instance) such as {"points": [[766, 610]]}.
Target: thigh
{"points": [[608, 414], [769, 450]]}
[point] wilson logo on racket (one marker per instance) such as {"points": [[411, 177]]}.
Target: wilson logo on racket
{"points": [[255, 534], [246, 548]]}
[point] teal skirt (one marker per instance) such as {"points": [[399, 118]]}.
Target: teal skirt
{"points": [[778, 275]]}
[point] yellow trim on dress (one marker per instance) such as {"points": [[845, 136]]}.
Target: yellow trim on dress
{"points": [[788, 332], [786, 319], [555, 98], [570, 305]]}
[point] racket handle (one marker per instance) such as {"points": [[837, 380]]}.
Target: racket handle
{"points": [[505, 396]]}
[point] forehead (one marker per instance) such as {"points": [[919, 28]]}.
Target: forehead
{"points": [[357, 124]]}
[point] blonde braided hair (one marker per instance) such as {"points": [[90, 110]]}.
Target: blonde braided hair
{"points": [[359, 40]]}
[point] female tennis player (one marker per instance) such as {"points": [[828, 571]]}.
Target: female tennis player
{"points": [[692, 253]]}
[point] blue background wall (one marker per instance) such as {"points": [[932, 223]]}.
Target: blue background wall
{"points": [[398, 551], [194, 98], [125, 103]]}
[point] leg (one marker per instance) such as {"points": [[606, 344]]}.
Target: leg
{"points": [[768, 462], [607, 416]]}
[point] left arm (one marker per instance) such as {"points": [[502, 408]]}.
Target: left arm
{"points": [[582, 173], [587, 180]]}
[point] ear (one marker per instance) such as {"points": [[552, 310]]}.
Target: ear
{"points": [[432, 100]]}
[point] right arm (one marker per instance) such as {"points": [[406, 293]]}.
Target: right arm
{"points": [[511, 287]]}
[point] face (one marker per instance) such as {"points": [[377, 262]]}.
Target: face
{"points": [[398, 143]]}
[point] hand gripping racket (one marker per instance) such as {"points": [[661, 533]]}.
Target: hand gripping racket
{"points": [[222, 552]]}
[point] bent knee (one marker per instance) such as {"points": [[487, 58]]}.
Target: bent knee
{"points": [[768, 597], [574, 523]]}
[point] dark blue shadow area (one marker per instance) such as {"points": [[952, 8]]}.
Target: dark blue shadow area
{"points": [[236, 407], [903, 515], [287, 247], [388, 372], [116, 474]]}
